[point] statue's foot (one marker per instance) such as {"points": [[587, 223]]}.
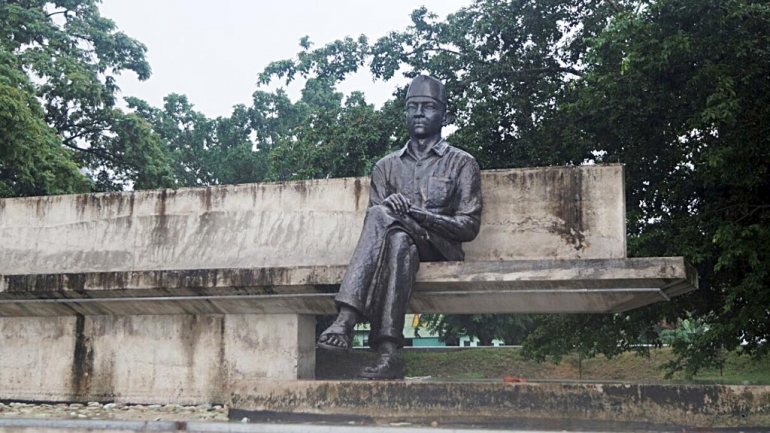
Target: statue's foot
{"points": [[338, 336], [389, 366]]}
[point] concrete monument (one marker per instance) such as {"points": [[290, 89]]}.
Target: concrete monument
{"points": [[424, 202]]}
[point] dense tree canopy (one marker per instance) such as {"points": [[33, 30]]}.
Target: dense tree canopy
{"points": [[677, 90], [65, 58]]}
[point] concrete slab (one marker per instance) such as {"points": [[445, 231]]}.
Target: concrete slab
{"points": [[562, 286], [533, 213]]}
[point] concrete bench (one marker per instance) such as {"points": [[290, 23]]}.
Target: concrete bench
{"points": [[177, 294]]}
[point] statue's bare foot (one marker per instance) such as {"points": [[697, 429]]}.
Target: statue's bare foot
{"points": [[389, 366]]}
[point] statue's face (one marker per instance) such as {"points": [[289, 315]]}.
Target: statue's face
{"points": [[424, 116]]}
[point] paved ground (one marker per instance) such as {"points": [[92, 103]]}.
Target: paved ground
{"points": [[119, 418], [95, 426]]}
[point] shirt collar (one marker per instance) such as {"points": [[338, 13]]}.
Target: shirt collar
{"points": [[439, 148]]}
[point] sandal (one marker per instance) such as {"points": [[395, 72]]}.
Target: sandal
{"points": [[388, 367], [343, 335]]}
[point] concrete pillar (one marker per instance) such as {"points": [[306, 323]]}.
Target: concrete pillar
{"points": [[151, 359]]}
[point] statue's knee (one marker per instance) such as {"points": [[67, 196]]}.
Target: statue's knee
{"points": [[378, 215], [378, 210], [400, 239]]}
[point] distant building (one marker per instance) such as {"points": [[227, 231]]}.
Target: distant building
{"points": [[422, 338]]}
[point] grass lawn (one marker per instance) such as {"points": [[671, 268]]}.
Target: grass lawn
{"points": [[497, 363]]}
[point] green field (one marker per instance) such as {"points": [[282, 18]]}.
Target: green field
{"points": [[497, 363]]}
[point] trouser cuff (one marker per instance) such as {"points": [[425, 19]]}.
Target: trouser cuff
{"points": [[349, 301], [375, 340]]}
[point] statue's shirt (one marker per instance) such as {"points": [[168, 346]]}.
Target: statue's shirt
{"points": [[446, 182]]}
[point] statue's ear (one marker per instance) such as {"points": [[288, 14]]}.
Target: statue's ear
{"points": [[447, 118]]}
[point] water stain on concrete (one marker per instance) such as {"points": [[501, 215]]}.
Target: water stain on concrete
{"points": [[567, 205], [83, 359], [357, 188]]}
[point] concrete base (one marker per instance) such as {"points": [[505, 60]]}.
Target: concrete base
{"points": [[559, 406], [150, 359]]}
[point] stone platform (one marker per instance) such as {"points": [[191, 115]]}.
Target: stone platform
{"points": [[180, 295], [468, 406], [544, 406]]}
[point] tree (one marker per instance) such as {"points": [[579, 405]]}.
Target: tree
{"points": [[675, 89], [679, 91], [187, 137], [334, 142], [32, 161], [512, 329], [74, 55]]}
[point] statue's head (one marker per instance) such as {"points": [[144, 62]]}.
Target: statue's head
{"points": [[426, 104]]}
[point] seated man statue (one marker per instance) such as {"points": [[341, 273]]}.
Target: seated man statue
{"points": [[425, 200]]}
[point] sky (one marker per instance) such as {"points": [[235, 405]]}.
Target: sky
{"points": [[212, 51]]}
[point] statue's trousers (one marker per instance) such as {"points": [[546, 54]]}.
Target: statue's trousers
{"points": [[380, 277]]}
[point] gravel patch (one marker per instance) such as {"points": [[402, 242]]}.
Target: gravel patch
{"points": [[115, 411]]}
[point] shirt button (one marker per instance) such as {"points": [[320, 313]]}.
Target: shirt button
{"points": [[419, 164], [417, 178]]}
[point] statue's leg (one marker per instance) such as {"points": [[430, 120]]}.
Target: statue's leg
{"points": [[402, 261], [397, 276], [354, 298]]}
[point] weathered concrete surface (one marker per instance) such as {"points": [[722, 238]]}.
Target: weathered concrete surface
{"points": [[154, 283], [534, 213], [410, 406], [643, 405], [557, 286], [151, 359]]}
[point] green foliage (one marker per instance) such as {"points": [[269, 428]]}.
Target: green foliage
{"points": [[186, 134], [678, 90], [512, 329], [675, 89], [274, 139], [32, 161], [334, 142], [70, 57]]}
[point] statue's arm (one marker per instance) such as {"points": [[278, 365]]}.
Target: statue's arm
{"points": [[464, 225], [377, 187]]}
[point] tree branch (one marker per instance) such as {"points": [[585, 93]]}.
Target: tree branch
{"points": [[614, 6], [64, 12], [97, 152], [567, 69]]}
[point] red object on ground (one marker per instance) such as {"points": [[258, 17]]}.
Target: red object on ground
{"points": [[514, 379]]}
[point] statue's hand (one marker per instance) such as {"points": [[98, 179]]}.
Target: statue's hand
{"points": [[398, 203]]}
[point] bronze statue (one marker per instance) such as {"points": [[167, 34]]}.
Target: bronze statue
{"points": [[425, 200]]}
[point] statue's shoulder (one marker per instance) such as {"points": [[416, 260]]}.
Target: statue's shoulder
{"points": [[459, 154], [388, 159]]}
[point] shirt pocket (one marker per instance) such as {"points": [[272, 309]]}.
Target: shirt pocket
{"points": [[440, 192]]}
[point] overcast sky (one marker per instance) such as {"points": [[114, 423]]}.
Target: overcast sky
{"points": [[212, 51]]}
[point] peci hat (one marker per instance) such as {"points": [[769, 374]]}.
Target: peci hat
{"points": [[430, 87]]}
